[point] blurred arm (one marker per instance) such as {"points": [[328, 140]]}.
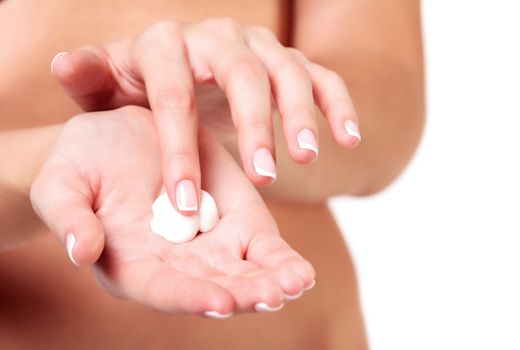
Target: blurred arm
{"points": [[22, 154]]}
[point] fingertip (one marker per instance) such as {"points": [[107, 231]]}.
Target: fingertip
{"points": [[184, 196], [307, 150], [85, 245], [310, 285], [260, 180], [70, 242], [290, 281], [221, 305], [82, 71], [303, 156], [217, 315], [271, 295], [59, 57], [354, 135], [263, 170], [347, 134]]}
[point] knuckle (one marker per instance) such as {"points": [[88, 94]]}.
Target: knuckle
{"points": [[288, 65], [262, 32], [247, 69], [297, 54], [331, 77], [174, 99], [166, 28], [225, 25], [160, 33]]}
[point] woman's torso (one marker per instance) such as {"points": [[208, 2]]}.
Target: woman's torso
{"points": [[47, 303]]}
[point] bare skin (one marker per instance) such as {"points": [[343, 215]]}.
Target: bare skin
{"points": [[50, 303]]}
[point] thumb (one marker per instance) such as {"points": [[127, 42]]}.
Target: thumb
{"points": [[86, 77], [66, 207]]}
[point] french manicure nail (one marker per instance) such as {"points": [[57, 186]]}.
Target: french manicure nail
{"points": [[306, 140], [70, 242], [186, 196], [54, 60], [352, 129], [217, 315], [263, 307], [263, 163], [290, 297], [310, 286]]}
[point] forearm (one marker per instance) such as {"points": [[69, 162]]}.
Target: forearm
{"points": [[389, 99], [22, 153]]}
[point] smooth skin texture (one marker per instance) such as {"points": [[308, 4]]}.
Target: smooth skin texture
{"points": [[374, 46], [240, 264], [162, 66]]}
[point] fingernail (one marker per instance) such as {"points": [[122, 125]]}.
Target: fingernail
{"points": [[352, 129], [263, 163], [263, 307], [217, 315], [54, 60], [306, 140], [70, 242], [186, 196], [310, 286], [290, 297]]}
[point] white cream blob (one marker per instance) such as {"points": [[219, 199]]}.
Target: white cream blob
{"points": [[208, 213], [168, 223]]}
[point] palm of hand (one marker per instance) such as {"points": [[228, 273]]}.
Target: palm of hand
{"points": [[242, 262]]}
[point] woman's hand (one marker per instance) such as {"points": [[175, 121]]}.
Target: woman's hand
{"points": [[162, 67], [96, 190]]}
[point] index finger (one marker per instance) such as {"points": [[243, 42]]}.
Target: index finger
{"points": [[165, 69]]}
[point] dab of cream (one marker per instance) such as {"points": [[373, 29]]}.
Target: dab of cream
{"points": [[168, 223]]}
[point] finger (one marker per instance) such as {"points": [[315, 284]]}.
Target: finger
{"points": [[244, 79], [169, 83], [253, 288], [284, 276], [86, 77], [217, 161], [163, 288], [64, 203], [333, 99], [266, 285], [273, 253], [292, 89]]}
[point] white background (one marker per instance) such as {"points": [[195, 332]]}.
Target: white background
{"points": [[438, 253]]}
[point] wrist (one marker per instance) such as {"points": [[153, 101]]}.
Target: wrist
{"points": [[23, 154]]}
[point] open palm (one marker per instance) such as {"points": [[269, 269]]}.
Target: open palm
{"points": [[99, 185]]}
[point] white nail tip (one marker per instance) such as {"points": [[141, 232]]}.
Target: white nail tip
{"points": [[263, 172], [263, 307], [305, 145], [186, 208], [352, 129], [71, 241], [310, 286], [54, 60], [293, 297], [217, 315]]}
